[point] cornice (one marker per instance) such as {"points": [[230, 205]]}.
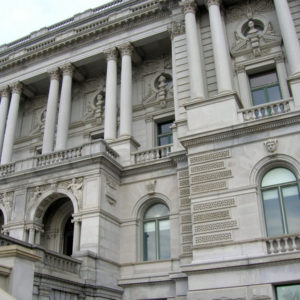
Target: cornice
{"points": [[100, 27], [239, 130]]}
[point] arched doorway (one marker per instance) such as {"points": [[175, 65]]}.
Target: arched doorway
{"points": [[58, 227]]}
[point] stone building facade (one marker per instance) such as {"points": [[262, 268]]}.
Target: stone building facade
{"points": [[150, 150]]}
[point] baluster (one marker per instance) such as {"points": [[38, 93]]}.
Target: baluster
{"points": [[272, 249], [278, 246], [294, 245], [286, 245]]}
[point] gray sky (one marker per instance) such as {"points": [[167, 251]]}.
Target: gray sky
{"points": [[21, 17]]}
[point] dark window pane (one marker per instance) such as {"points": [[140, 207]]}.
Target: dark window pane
{"points": [[272, 212], [288, 292], [164, 239], [291, 201], [258, 97], [165, 128], [274, 93], [164, 140], [149, 241]]}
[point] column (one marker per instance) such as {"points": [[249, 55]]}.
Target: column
{"points": [[64, 113], [244, 86], [76, 239], [3, 112], [289, 35], [110, 122], [282, 77], [31, 235], [11, 123], [220, 49], [50, 122], [193, 48], [126, 91]]}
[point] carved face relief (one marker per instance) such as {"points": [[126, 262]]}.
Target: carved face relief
{"points": [[271, 145]]}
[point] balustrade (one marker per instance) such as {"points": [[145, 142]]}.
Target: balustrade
{"points": [[7, 169], [266, 110], [152, 154], [283, 244]]}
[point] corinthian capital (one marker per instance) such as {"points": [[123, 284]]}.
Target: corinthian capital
{"points": [[68, 69], [126, 49], [17, 87], [111, 54], [177, 28], [213, 2], [188, 6], [4, 92], [54, 74]]}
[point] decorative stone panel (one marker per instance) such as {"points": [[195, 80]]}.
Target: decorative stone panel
{"points": [[209, 187], [213, 238], [220, 226], [186, 219], [211, 176], [212, 205], [208, 167], [198, 159], [211, 216]]}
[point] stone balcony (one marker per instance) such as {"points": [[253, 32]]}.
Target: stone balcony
{"points": [[283, 244]]}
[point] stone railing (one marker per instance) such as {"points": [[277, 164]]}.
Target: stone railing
{"points": [[49, 259], [152, 154], [99, 147], [283, 244], [267, 110], [7, 169], [58, 157]]}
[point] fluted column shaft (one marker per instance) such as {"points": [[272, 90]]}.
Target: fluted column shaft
{"points": [[126, 91], [110, 124], [64, 113], [193, 49], [289, 34], [220, 50], [50, 122], [11, 123], [3, 113]]}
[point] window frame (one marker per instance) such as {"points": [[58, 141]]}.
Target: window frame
{"points": [[278, 188], [156, 221], [160, 135]]}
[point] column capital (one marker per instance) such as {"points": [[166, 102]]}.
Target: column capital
{"points": [[54, 74], [279, 58], [17, 87], [5, 91], [111, 54], [126, 49], [188, 6], [213, 2], [177, 28], [68, 69]]}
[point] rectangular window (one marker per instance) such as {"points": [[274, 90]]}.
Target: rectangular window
{"points": [[288, 292], [164, 133], [264, 87]]}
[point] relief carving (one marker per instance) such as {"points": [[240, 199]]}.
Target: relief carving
{"points": [[271, 145], [95, 108], [6, 200], [75, 186], [39, 122]]}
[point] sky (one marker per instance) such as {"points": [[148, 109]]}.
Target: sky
{"points": [[21, 17]]}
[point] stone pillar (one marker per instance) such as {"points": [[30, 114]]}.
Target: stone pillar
{"points": [[110, 124], [244, 89], [50, 122], [282, 77], [289, 35], [126, 91], [64, 113], [220, 49], [3, 112], [31, 238], [76, 239], [193, 48], [11, 124]]}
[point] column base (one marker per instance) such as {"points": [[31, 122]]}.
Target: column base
{"points": [[125, 146], [213, 113]]}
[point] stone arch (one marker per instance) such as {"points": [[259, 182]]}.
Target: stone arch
{"points": [[4, 213]]}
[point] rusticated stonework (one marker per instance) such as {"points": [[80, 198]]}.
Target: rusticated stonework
{"points": [[211, 176], [220, 226], [210, 157], [213, 238], [208, 167], [209, 187]]}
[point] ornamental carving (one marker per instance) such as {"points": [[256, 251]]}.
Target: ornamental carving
{"points": [[68, 69], [188, 6], [75, 187], [126, 49], [5, 92], [213, 2], [95, 108], [177, 28], [150, 187], [254, 37], [111, 54], [54, 74], [248, 9], [39, 122], [16, 88], [6, 200], [111, 189], [271, 145]]}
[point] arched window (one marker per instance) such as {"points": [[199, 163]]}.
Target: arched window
{"points": [[156, 232], [280, 194]]}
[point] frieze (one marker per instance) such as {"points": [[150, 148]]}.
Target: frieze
{"points": [[184, 183], [187, 238], [185, 201], [208, 167], [211, 176], [220, 226], [212, 205], [211, 216], [184, 192], [220, 237], [209, 187], [186, 228], [210, 157], [186, 219], [183, 174]]}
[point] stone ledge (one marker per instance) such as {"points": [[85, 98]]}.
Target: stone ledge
{"points": [[20, 252]]}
